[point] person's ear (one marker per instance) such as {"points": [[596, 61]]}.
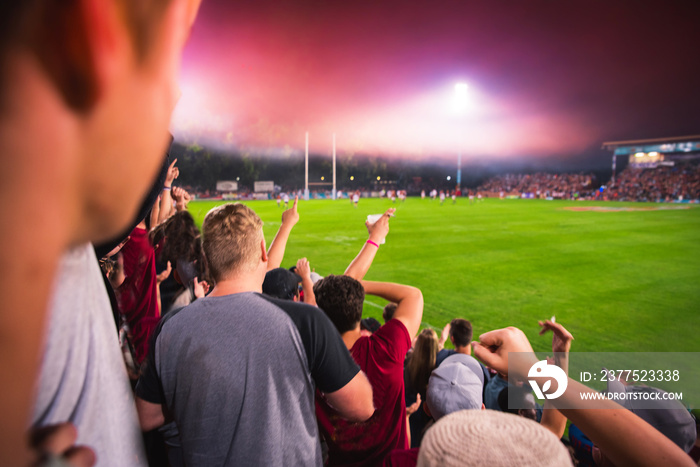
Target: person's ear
{"points": [[78, 44], [263, 252]]}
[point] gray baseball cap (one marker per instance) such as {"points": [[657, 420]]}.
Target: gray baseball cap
{"points": [[457, 384]]}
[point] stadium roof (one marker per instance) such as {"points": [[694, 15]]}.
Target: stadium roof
{"points": [[680, 144]]}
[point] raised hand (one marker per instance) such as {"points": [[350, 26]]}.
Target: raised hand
{"points": [[200, 288], [173, 173], [165, 274], [379, 230], [561, 338], [291, 216], [303, 268]]}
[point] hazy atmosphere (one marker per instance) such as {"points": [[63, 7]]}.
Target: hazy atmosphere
{"points": [[547, 82]]}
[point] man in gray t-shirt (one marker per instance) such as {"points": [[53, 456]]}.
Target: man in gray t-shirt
{"points": [[237, 370]]}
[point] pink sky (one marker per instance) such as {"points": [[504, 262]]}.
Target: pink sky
{"points": [[545, 77]]}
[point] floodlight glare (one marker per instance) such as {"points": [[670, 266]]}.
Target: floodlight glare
{"points": [[640, 154], [323, 178], [653, 154], [352, 177], [379, 178], [461, 97], [449, 178]]}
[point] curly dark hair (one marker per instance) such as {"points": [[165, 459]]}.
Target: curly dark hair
{"points": [[341, 298]]}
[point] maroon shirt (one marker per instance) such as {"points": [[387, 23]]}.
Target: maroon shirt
{"points": [[381, 357], [138, 295]]}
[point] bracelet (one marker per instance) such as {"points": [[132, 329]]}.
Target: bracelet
{"points": [[372, 243], [167, 188]]}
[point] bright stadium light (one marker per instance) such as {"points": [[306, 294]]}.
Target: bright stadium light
{"points": [[653, 154], [323, 178], [378, 178], [461, 97], [449, 178], [640, 154], [352, 177]]}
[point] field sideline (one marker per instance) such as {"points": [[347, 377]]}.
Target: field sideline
{"points": [[619, 281]]}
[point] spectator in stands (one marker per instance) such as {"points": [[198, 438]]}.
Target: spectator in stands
{"points": [[389, 310], [178, 242], [74, 76], [455, 385], [282, 283], [541, 185], [381, 357], [369, 326], [488, 438], [234, 396], [460, 333], [658, 184], [420, 363]]}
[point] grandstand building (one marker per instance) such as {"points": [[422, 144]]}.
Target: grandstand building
{"points": [[658, 170]]}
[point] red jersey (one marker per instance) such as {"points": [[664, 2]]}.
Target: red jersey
{"points": [[381, 357], [138, 294]]}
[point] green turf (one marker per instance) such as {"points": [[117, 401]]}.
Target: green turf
{"points": [[619, 281]]}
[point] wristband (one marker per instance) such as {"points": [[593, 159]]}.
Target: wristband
{"points": [[372, 243], [167, 188]]}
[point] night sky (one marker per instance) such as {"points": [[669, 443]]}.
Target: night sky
{"points": [[547, 79]]}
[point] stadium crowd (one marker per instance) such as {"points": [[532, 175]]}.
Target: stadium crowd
{"points": [[231, 359], [541, 185], [660, 184]]}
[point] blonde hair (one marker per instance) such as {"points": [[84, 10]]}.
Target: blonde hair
{"points": [[423, 359], [231, 236]]}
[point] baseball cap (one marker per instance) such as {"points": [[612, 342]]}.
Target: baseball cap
{"points": [[281, 283], [456, 384], [370, 324], [670, 417]]}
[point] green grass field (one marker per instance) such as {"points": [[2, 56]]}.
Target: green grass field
{"points": [[619, 281]]}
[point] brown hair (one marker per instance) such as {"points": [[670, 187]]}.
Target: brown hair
{"points": [[423, 359], [231, 236]]}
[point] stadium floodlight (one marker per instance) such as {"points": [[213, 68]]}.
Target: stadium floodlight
{"points": [[653, 154], [461, 97], [323, 178], [352, 178], [449, 178], [640, 154], [378, 178]]}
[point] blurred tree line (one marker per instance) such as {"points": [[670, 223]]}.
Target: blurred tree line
{"points": [[202, 167]]}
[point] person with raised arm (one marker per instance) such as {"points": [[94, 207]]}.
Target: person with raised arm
{"points": [[307, 285], [236, 370], [623, 437], [377, 234], [275, 254], [381, 356]]}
